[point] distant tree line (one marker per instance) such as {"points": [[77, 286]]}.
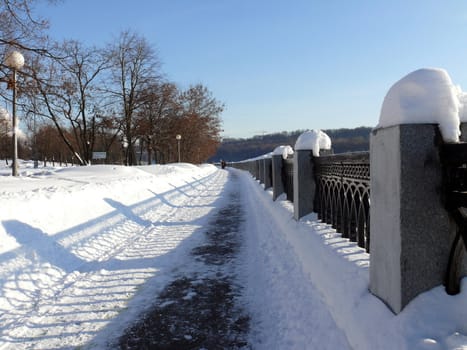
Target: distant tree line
{"points": [[76, 100], [343, 140]]}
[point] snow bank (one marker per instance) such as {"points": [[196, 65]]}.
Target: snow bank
{"points": [[313, 140], [37, 196], [425, 96], [338, 271], [284, 151], [84, 250]]}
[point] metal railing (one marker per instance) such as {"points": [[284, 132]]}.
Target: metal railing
{"points": [[454, 160], [342, 197], [343, 194]]}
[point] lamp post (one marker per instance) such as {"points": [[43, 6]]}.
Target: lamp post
{"points": [[178, 137], [15, 61], [36, 160]]}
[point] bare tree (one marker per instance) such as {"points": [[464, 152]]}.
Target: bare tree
{"points": [[155, 119], [68, 86], [201, 124], [50, 145], [135, 68], [65, 92], [20, 27], [168, 111]]}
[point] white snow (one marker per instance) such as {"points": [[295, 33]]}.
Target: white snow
{"points": [[84, 250], [284, 151], [425, 96], [313, 140], [4, 115], [462, 105], [260, 157]]}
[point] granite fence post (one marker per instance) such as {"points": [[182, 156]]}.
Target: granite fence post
{"points": [[261, 170], [267, 173], [411, 232], [252, 167], [277, 185], [303, 183]]}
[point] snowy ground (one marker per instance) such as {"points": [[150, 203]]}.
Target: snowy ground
{"points": [[83, 251]]}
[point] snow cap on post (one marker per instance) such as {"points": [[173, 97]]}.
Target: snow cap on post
{"points": [[313, 140], [283, 151], [424, 96]]}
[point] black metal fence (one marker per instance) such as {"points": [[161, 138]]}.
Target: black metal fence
{"points": [[343, 194], [431, 197]]}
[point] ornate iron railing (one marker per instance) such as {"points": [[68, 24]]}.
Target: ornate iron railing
{"points": [[343, 194], [287, 177]]}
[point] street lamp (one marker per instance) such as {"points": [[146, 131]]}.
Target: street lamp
{"points": [[15, 61], [178, 137]]}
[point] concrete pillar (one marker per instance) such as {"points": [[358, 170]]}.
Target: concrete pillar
{"points": [[411, 232], [267, 173], [261, 170], [277, 185], [303, 183]]}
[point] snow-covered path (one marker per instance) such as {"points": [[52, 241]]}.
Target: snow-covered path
{"points": [[287, 311], [200, 308], [85, 251], [64, 286], [59, 291]]}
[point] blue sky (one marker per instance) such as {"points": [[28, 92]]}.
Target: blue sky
{"points": [[283, 65]]}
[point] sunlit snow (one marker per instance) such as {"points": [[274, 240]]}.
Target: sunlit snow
{"points": [[284, 151], [425, 96], [84, 250], [313, 140]]}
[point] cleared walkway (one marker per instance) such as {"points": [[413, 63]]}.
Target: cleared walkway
{"points": [[200, 308]]}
